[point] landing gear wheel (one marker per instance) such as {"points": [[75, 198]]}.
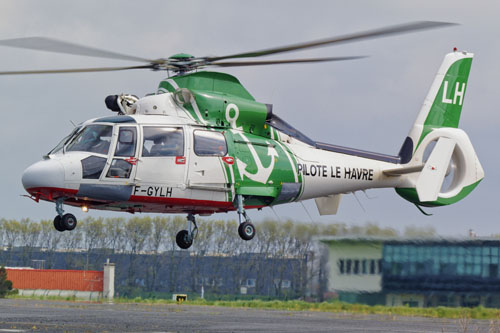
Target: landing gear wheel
{"points": [[246, 230], [57, 224], [183, 239], [68, 221]]}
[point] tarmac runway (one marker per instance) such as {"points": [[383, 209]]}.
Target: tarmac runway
{"points": [[20, 315]]}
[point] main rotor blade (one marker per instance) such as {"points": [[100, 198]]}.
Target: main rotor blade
{"points": [[76, 70], [377, 33], [57, 46], [277, 62]]}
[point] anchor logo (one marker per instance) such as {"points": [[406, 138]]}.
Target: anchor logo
{"points": [[263, 173]]}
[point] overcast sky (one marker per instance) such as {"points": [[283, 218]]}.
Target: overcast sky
{"points": [[368, 104]]}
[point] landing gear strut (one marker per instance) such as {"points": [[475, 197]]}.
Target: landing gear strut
{"points": [[63, 221], [184, 238], [246, 230]]}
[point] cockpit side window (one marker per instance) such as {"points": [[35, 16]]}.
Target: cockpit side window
{"points": [[127, 138], [92, 139], [163, 141], [125, 147], [209, 143]]}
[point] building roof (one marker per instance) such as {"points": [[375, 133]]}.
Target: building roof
{"points": [[409, 240]]}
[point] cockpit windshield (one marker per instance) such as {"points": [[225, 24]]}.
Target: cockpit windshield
{"points": [[64, 141], [93, 139]]}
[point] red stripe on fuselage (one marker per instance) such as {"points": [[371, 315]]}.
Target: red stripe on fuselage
{"points": [[164, 204], [181, 202], [51, 193]]}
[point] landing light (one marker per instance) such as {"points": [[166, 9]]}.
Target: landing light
{"points": [[85, 209]]}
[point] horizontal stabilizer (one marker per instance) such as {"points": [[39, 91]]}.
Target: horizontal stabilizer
{"points": [[403, 170], [328, 205], [432, 176]]}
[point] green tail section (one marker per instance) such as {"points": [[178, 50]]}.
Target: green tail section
{"points": [[443, 104], [445, 178]]}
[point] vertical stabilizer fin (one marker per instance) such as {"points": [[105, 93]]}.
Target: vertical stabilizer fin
{"points": [[443, 104]]}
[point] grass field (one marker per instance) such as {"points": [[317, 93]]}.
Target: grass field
{"points": [[335, 307], [436, 312]]}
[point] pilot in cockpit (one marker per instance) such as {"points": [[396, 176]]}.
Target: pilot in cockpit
{"points": [[92, 140]]}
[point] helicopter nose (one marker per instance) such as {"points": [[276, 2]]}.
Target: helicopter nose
{"points": [[44, 174]]}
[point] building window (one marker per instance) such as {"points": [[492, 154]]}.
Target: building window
{"points": [[359, 266], [372, 266], [493, 271], [477, 270], [356, 267], [348, 266], [447, 269], [420, 268], [285, 284], [250, 283]]}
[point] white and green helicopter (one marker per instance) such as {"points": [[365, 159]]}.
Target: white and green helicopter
{"points": [[202, 145]]}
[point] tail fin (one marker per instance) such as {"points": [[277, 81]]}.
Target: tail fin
{"points": [[435, 142], [443, 104]]}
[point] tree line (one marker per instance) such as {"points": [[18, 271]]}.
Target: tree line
{"points": [[136, 238]]}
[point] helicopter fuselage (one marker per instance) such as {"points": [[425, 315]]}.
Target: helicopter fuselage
{"points": [[171, 164], [192, 147]]}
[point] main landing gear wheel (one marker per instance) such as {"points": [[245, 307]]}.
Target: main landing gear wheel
{"points": [[183, 239], [246, 230], [57, 224]]}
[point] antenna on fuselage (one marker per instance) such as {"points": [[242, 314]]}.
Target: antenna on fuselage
{"points": [[307, 212], [359, 202], [277, 216]]}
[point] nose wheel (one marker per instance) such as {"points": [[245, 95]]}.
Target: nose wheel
{"points": [[63, 221], [57, 224]]}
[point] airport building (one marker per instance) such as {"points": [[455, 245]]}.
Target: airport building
{"points": [[415, 272], [244, 275]]}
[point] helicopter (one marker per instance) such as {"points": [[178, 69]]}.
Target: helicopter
{"points": [[201, 144]]}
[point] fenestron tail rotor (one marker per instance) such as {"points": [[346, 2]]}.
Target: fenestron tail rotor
{"points": [[182, 63]]}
